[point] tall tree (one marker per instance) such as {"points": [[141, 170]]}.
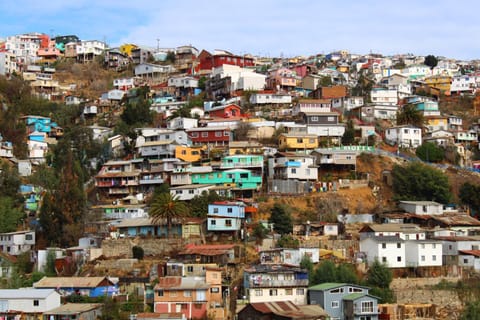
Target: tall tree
{"points": [[431, 61], [379, 277], [348, 137], [417, 181], [165, 208], [10, 215], [410, 115], [281, 217]]}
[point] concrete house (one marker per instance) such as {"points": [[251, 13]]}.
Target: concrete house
{"points": [[225, 216], [405, 136], [84, 311], [287, 165], [15, 243]]}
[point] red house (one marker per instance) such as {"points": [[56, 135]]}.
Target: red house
{"points": [[228, 111], [207, 61], [210, 135]]}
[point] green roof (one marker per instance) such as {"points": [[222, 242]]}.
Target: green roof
{"points": [[354, 296], [327, 286]]}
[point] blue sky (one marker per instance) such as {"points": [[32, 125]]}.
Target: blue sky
{"points": [[265, 27]]}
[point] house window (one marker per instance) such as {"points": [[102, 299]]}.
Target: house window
{"points": [[215, 210], [330, 119], [434, 246], [258, 292], [384, 259], [213, 222], [399, 259], [218, 133], [194, 134], [288, 292], [314, 118], [228, 223], [422, 245], [299, 140], [187, 293], [384, 245], [28, 237], [465, 261], [300, 292], [293, 170], [338, 290], [434, 258], [189, 268], [36, 303], [422, 258], [229, 210], [173, 293], [226, 133], [367, 306], [214, 290], [335, 304], [273, 292], [160, 293], [311, 140], [399, 245], [191, 191], [204, 134]]}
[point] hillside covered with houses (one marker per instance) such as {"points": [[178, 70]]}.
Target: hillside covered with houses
{"points": [[178, 183]]}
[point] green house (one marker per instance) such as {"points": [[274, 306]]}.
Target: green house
{"points": [[238, 179], [242, 162]]}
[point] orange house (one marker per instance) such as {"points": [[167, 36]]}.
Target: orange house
{"points": [[194, 297], [190, 154]]}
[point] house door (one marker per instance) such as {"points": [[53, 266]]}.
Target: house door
{"points": [[201, 295]]}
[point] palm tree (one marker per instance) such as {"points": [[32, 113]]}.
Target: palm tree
{"points": [[165, 207]]}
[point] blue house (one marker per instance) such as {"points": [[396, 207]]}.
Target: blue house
{"points": [[238, 179], [225, 216], [39, 123], [344, 301]]}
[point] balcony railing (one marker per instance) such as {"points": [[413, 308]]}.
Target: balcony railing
{"points": [[251, 164], [265, 283]]}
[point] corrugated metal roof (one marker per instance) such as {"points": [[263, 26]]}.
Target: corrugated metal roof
{"points": [[26, 293], [74, 308], [69, 282]]}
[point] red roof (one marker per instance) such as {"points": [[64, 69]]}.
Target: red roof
{"points": [[475, 253]]}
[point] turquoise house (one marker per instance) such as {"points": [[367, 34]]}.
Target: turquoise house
{"points": [[242, 161], [239, 179]]}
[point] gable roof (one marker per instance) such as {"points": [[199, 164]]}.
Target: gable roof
{"points": [[74, 308], [26, 293], [327, 286], [289, 309], [69, 282]]}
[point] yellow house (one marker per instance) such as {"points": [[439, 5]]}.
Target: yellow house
{"points": [[127, 48], [297, 141], [244, 147], [434, 123], [439, 82], [190, 154], [192, 228]]}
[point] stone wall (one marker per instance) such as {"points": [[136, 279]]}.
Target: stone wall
{"points": [[150, 246]]}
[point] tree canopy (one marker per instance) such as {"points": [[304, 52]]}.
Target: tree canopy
{"points": [[348, 137], [166, 208], [281, 217], [430, 152], [431, 61], [417, 181], [469, 195], [410, 115]]}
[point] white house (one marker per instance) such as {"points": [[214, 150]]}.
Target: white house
{"points": [[404, 136], [183, 82], [28, 301], [90, 47], [270, 98], [188, 192], [352, 102], [440, 137], [6, 149], [290, 256], [291, 166], [454, 246], [422, 207], [90, 110], [463, 84], [181, 123], [124, 84], [379, 111], [384, 96], [15, 243], [115, 94], [400, 245]]}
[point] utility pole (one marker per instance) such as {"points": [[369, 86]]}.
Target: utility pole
{"points": [[158, 44]]}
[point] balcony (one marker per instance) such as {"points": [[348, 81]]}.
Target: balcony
{"points": [[296, 164], [118, 191], [151, 180], [251, 164], [266, 283]]}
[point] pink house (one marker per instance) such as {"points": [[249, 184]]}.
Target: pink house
{"points": [[282, 79]]}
